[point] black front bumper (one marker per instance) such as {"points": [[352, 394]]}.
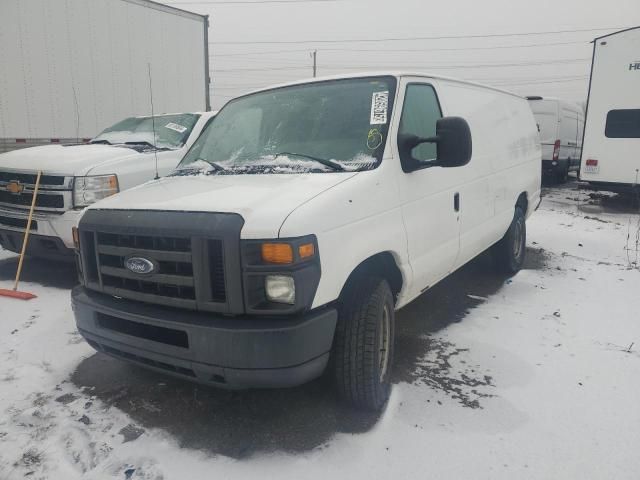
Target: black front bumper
{"points": [[230, 352]]}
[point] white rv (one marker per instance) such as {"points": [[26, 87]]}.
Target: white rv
{"points": [[561, 126], [299, 221], [611, 152]]}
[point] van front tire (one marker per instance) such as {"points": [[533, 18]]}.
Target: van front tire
{"points": [[363, 345], [509, 252]]}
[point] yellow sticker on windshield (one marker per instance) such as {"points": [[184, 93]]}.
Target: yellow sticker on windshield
{"points": [[374, 139]]}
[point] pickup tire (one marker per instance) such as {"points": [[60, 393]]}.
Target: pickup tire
{"points": [[509, 252], [363, 344]]}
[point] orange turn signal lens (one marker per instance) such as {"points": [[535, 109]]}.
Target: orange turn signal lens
{"points": [[76, 237], [307, 250], [280, 253]]}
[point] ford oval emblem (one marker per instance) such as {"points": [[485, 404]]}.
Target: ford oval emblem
{"points": [[139, 265]]}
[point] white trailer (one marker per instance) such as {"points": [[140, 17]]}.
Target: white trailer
{"points": [[70, 69], [611, 146]]}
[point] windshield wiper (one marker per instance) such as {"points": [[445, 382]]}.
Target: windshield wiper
{"points": [[327, 163], [140, 142], [105, 142], [144, 143], [215, 166]]}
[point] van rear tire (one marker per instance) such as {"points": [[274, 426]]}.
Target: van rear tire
{"points": [[363, 344], [509, 252]]}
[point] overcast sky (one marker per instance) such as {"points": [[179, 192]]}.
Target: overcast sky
{"points": [[254, 43]]}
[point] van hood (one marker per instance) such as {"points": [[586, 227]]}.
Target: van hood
{"points": [[263, 200], [65, 159]]}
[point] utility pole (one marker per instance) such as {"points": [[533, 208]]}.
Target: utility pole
{"points": [[315, 63]]}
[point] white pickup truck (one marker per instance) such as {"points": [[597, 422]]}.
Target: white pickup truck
{"points": [[77, 175], [299, 221]]}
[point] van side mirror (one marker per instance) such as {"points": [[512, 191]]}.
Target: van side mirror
{"points": [[453, 140]]}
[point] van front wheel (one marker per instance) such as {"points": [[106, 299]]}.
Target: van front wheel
{"points": [[509, 253], [363, 345]]}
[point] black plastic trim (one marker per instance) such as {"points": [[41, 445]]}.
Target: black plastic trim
{"points": [[240, 352], [198, 227]]}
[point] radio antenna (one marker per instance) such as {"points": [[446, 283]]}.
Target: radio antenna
{"points": [[153, 122], [75, 103]]}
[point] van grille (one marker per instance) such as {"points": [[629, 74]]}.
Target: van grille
{"points": [[171, 283], [192, 258]]}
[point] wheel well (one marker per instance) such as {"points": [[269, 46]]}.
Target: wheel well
{"points": [[381, 265], [523, 202]]}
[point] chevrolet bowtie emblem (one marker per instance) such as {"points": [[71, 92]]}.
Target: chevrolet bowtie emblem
{"points": [[15, 187]]}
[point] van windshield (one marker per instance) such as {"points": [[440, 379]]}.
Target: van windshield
{"points": [[327, 126], [171, 131]]}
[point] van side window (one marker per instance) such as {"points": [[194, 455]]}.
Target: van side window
{"points": [[420, 113], [623, 124]]}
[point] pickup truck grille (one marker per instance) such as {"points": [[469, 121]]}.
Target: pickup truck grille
{"points": [[30, 178], [188, 270], [54, 193], [44, 200]]}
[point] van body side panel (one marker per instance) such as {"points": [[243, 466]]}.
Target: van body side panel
{"points": [[519, 169], [487, 113], [615, 85], [352, 221]]}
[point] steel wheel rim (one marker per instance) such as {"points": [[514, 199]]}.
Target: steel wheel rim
{"points": [[383, 342]]}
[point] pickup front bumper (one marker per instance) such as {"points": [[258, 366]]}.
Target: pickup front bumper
{"points": [[50, 232], [228, 352]]}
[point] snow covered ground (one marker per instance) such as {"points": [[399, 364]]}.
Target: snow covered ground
{"points": [[537, 376]]}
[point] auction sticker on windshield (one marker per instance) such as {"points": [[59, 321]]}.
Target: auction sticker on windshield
{"points": [[379, 104], [175, 127]]}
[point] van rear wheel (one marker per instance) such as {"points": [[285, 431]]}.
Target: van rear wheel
{"points": [[363, 345], [509, 253]]}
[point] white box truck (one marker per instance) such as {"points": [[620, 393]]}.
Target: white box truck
{"points": [[70, 69], [561, 126], [611, 147], [300, 220]]}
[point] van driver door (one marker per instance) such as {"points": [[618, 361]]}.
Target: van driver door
{"points": [[428, 193]]}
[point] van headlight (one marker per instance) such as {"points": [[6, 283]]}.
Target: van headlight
{"points": [[88, 190], [280, 289]]}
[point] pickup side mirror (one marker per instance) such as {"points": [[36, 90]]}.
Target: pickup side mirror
{"points": [[453, 140]]}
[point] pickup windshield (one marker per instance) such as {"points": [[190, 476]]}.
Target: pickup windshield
{"points": [[320, 127], [171, 131]]}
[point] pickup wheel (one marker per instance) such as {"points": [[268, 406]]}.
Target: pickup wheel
{"points": [[509, 252], [363, 346]]}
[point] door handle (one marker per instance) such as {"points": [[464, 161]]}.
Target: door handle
{"points": [[456, 202]]}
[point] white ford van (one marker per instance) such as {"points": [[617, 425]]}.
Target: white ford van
{"points": [[561, 127], [300, 220], [76, 175]]}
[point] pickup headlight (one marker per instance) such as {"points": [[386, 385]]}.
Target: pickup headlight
{"points": [[88, 190]]}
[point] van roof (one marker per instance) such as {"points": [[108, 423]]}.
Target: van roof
{"points": [[616, 33], [397, 74], [563, 103]]}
